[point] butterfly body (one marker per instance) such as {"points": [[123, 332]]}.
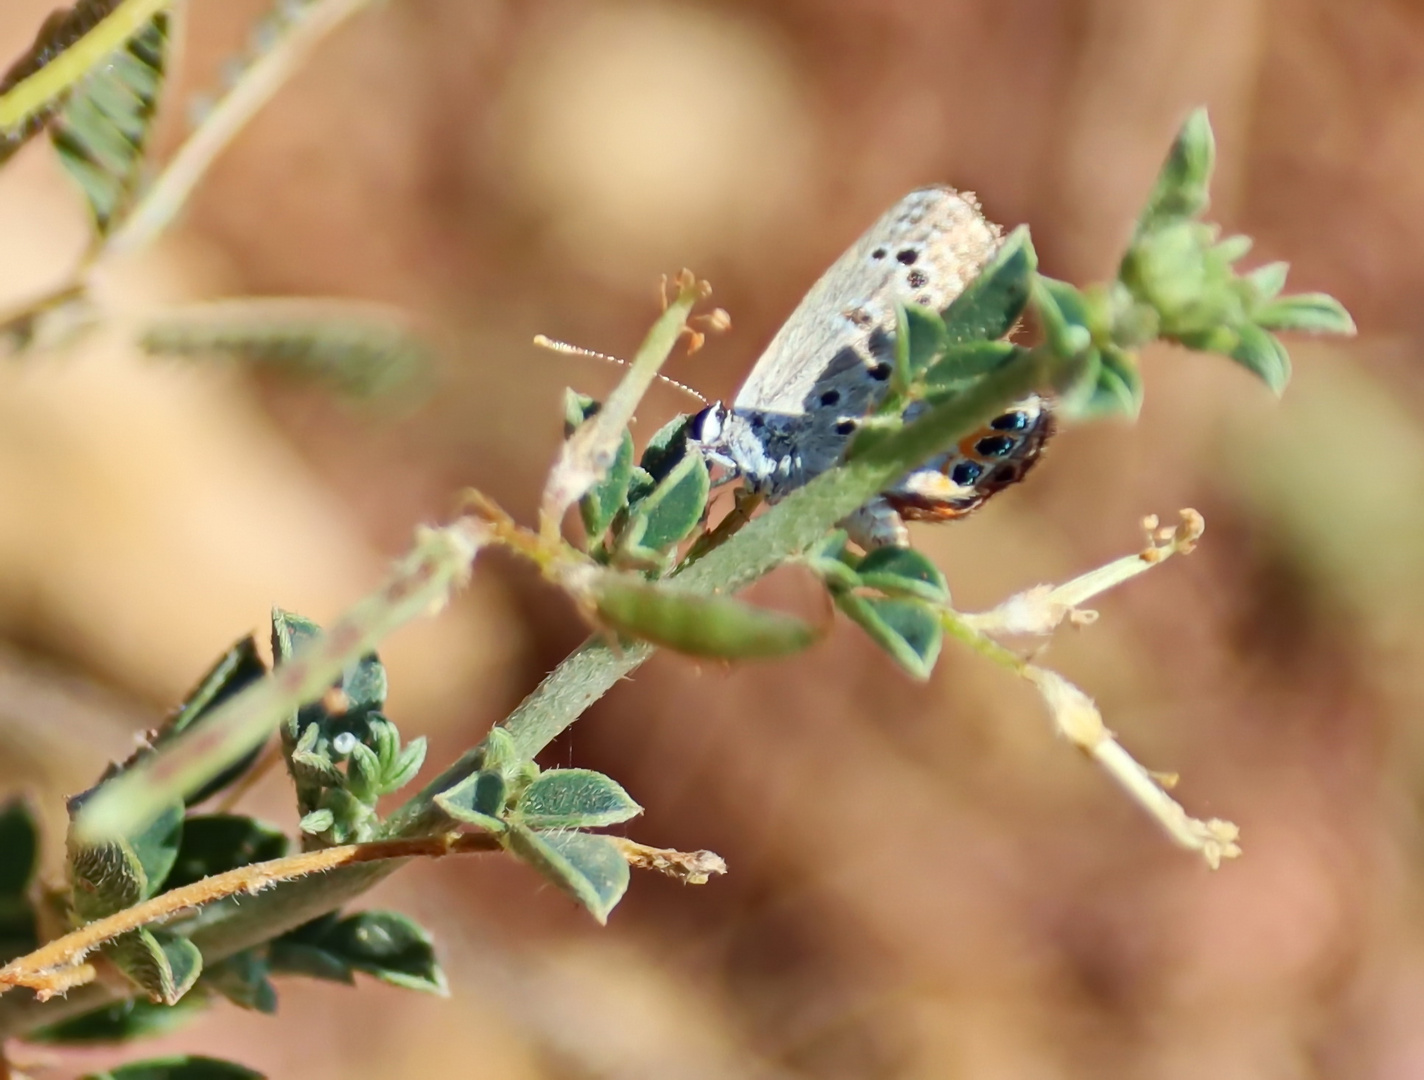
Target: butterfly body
{"points": [[830, 364]]}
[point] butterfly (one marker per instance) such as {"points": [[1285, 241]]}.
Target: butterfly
{"points": [[830, 364]]}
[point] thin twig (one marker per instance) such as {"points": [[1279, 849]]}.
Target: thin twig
{"points": [[34, 93], [37, 969], [420, 584], [161, 203]]}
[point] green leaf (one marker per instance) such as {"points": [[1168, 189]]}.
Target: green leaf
{"points": [[179, 1067], [609, 495], [477, 800], [107, 878], [300, 951], [104, 879], [575, 798], [101, 134], [363, 776], [379, 943], [317, 822], [991, 305], [364, 684], [361, 350], [19, 848], [920, 339], [1308, 313], [1232, 249], [667, 515], [156, 848], [1115, 389], [235, 670], [132, 1018], [389, 947], [1065, 315], [243, 979], [697, 625], [162, 965], [665, 449], [833, 563], [406, 765], [1182, 189], [906, 628], [1267, 281], [216, 843], [290, 632], [903, 572], [588, 867], [1261, 353], [962, 365], [61, 30]]}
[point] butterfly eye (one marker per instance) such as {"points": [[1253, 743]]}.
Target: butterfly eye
{"points": [[706, 426]]}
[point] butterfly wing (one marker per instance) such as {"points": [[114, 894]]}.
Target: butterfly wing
{"points": [[925, 249], [831, 361]]}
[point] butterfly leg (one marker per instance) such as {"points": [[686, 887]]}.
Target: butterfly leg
{"points": [[877, 524]]}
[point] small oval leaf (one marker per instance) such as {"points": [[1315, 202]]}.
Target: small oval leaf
{"points": [[242, 979], [669, 513], [964, 364], [123, 1021], [159, 963], [993, 301], [903, 572], [1181, 189], [1261, 353], [1306, 313], [588, 867], [575, 798], [906, 628], [389, 947], [216, 843], [477, 800], [920, 339]]}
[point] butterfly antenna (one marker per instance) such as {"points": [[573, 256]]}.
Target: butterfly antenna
{"points": [[578, 350]]}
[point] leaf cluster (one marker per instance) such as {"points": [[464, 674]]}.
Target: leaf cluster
{"points": [[93, 80], [342, 755]]}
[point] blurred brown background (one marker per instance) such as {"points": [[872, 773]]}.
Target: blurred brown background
{"points": [[925, 882]]}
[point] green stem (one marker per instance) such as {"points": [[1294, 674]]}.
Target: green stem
{"points": [[161, 202], [422, 582], [38, 92]]}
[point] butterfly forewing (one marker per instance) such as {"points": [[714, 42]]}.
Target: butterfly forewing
{"points": [[924, 250]]}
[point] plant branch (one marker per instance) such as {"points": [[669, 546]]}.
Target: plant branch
{"points": [[37, 969], [162, 202], [420, 585], [35, 93], [585, 457]]}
